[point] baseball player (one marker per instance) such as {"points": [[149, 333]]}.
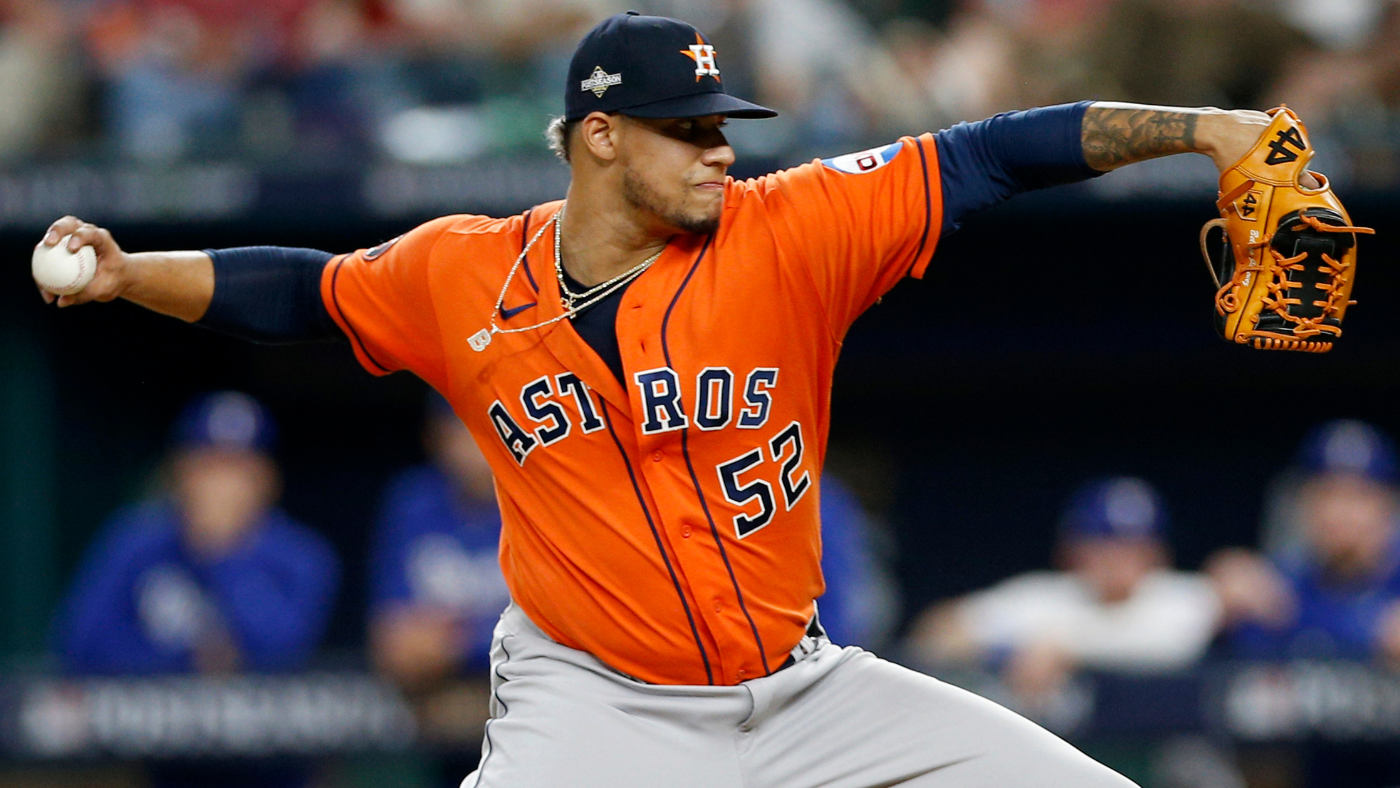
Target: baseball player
{"points": [[647, 365]]}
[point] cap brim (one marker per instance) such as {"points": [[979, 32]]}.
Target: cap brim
{"points": [[693, 106]]}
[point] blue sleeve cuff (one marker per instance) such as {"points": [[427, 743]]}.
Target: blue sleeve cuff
{"points": [[269, 294], [981, 164]]}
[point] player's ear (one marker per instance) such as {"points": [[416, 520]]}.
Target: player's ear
{"points": [[599, 134]]}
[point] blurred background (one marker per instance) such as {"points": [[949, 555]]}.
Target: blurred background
{"points": [[1049, 481]]}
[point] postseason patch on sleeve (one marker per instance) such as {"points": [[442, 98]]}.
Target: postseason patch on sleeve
{"points": [[866, 160]]}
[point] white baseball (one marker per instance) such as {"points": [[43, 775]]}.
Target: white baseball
{"points": [[62, 272]]}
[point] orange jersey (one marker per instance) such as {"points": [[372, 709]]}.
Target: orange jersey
{"points": [[668, 525]]}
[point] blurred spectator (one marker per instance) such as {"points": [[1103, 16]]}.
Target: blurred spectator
{"points": [[1115, 604], [860, 604], [40, 77], [967, 70], [820, 63], [437, 587], [1330, 584], [480, 75], [216, 579], [1192, 52], [187, 78], [1349, 90]]}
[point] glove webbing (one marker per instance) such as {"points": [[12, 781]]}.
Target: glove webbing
{"points": [[1278, 301]]}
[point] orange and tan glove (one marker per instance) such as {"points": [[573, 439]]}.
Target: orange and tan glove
{"points": [[1287, 261]]}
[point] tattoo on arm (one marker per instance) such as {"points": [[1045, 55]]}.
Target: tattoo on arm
{"points": [[1115, 135]]}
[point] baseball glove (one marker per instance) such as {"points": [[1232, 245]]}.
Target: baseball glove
{"points": [[1287, 260]]}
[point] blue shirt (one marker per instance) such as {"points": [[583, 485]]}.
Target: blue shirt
{"points": [[856, 608], [1334, 620], [435, 546], [141, 600]]}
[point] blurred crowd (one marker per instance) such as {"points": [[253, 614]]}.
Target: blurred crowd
{"points": [[213, 578], [438, 81]]}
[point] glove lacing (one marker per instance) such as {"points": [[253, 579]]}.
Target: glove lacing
{"points": [[1277, 299]]}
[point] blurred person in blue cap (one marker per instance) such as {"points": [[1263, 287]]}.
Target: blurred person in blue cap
{"points": [[437, 589], [212, 579], [1328, 586], [1114, 604]]}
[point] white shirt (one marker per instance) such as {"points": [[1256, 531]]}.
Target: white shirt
{"points": [[1167, 623]]}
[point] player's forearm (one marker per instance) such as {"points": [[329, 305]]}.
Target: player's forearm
{"points": [[263, 293], [179, 284], [1116, 134]]}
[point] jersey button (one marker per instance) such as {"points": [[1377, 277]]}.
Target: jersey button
{"points": [[685, 532], [657, 456], [742, 674], [719, 606]]}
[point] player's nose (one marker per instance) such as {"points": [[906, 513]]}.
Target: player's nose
{"points": [[718, 156]]}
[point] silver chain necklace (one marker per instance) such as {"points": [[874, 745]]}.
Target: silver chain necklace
{"points": [[572, 302], [569, 297]]}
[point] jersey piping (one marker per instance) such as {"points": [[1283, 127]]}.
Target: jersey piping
{"points": [[928, 209], [709, 672], [340, 318], [505, 709], [690, 466], [525, 239]]}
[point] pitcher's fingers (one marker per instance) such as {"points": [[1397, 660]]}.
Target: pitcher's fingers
{"points": [[83, 296], [60, 228], [91, 235], [85, 235]]}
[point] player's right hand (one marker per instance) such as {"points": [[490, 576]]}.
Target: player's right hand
{"points": [[109, 281]]}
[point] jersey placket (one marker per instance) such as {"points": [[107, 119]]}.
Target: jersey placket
{"points": [[664, 489], [662, 437]]}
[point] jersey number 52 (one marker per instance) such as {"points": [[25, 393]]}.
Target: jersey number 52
{"points": [[787, 448]]}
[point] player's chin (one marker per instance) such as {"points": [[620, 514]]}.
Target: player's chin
{"points": [[702, 214], [700, 222]]}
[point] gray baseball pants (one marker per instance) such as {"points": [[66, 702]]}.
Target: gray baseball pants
{"points": [[838, 718]]}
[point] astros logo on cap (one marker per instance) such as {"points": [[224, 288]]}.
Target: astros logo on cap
{"points": [[704, 56]]}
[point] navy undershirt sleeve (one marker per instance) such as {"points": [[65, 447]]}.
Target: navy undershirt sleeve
{"points": [[269, 294], [981, 164]]}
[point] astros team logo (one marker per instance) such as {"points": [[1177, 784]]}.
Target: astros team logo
{"points": [[704, 56]]}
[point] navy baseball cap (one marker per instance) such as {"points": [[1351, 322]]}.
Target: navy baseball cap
{"points": [[1124, 507], [649, 67], [229, 420], [1349, 446]]}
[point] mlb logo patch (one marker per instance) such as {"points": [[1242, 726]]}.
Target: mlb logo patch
{"points": [[866, 160]]}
